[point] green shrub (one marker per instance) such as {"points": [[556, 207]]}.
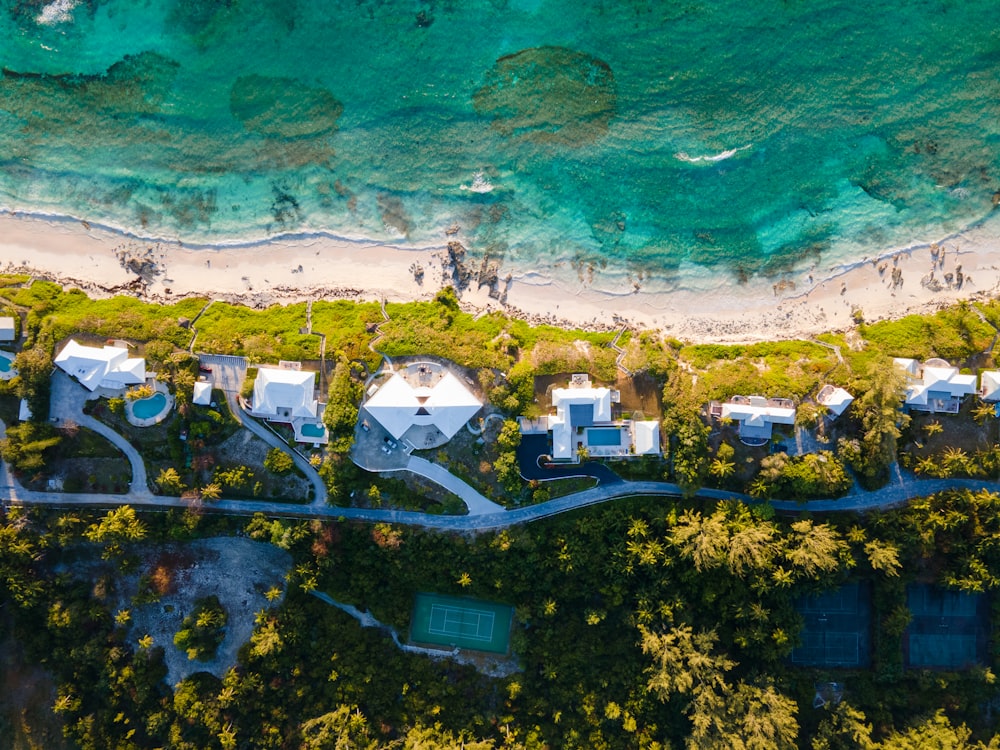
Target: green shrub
{"points": [[203, 630], [278, 462]]}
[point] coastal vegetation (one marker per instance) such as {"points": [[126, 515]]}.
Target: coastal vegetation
{"points": [[666, 623]]}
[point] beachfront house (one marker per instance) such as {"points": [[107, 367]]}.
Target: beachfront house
{"points": [[8, 329], [584, 424], [101, 367], [424, 402], [834, 398], [935, 386], [989, 385], [284, 393], [755, 416]]}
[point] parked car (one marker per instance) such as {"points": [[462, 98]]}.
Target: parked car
{"points": [[390, 442], [205, 369]]}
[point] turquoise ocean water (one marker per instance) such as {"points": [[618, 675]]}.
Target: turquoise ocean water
{"points": [[661, 137]]}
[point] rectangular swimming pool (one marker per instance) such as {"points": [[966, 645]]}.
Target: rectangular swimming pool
{"points": [[604, 436]]}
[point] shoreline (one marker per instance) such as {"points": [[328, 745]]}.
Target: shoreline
{"points": [[100, 260]]}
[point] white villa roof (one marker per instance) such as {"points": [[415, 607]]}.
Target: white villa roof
{"points": [[562, 438], [835, 399], [754, 414], [646, 437], [935, 382], [202, 393], [910, 366], [447, 405], [7, 328], [276, 389], [989, 385], [108, 366]]}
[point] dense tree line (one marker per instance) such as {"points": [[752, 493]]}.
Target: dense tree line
{"points": [[640, 624]]}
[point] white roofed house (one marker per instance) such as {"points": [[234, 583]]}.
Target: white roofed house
{"points": [[101, 367], [425, 400], [584, 422], [834, 398], [202, 393], [284, 395], [935, 386], [989, 385], [756, 416], [8, 328]]}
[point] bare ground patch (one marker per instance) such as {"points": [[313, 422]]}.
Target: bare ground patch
{"points": [[239, 571], [243, 448]]}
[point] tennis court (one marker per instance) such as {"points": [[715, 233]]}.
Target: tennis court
{"points": [[947, 629], [465, 623], [836, 630]]}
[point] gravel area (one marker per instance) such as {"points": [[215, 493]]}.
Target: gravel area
{"points": [[237, 570]]}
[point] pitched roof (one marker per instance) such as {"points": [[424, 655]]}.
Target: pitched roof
{"points": [[834, 398], [989, 385], [7, 328], [646, 434], [108, 366], [202, 393], [447, 405], [276, 389]]}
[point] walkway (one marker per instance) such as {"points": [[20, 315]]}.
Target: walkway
{"points": [[229, 373]]}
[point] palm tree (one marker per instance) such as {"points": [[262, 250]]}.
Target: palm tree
{"points": [[721, 469], [984, 411], [211, 491], [955, 460], [927, 465], [933, 428]]}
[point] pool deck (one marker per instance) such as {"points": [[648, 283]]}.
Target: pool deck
{"points": [[301, 437], [156, 418]]}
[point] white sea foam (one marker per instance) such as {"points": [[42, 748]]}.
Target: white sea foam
{"points": [[480, 184], [58, 11], [722, 156]]}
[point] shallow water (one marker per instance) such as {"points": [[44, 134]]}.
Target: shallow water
{"points": [[665, 138]]}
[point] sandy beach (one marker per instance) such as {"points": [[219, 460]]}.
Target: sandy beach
{"points": [[931, 273]]}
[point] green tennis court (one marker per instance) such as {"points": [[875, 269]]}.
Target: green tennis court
{"points": [[465, 623], [948, 629], [836, 628]]}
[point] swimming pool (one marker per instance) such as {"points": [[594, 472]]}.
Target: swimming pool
{"points": [[313, 430], [604, 436], [147, 408], [4, 364]]}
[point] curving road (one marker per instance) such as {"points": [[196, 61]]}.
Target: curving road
{"points": [[891, 496]]}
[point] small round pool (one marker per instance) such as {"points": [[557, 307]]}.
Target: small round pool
{"points": [[4, 364], [147, 408], [313, 430]]}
